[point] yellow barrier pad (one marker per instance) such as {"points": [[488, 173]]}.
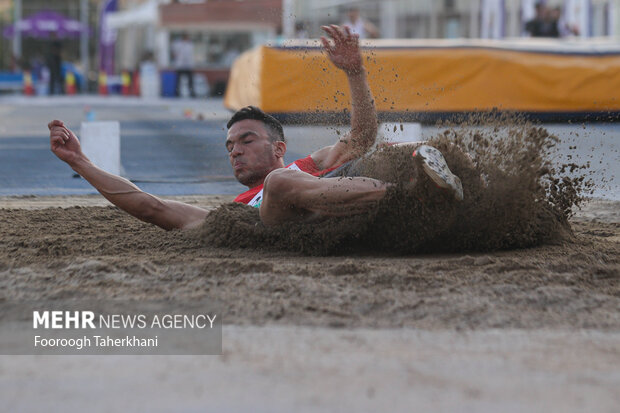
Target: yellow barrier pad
{"points": [[452, 77]]}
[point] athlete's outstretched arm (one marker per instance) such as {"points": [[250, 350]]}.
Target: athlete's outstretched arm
{"points": [[344, 52], [119, 191]]}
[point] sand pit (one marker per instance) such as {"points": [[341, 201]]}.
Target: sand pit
{"points": [[100, 252]]}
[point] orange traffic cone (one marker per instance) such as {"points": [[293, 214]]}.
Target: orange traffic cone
{"points": [[70, 83], [28, 88], [125, 83], [103, 84]]}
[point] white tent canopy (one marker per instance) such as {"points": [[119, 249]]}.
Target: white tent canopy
{"points": [[145, 14], [143, 18]]}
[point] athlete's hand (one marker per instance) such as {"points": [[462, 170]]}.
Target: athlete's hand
{"points": [[343, 49], [63, 142]]}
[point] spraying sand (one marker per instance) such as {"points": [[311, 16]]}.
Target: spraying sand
{"points": [[515, 197]]}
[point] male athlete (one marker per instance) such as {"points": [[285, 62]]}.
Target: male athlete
{"points": [[256, 146]]}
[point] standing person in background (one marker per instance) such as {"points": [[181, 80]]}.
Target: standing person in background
{"points": [[54, 64], [545, 24], [360, 26], [183, 59]]}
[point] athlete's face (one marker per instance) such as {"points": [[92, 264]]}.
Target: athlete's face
{"points": [[251, 152]]}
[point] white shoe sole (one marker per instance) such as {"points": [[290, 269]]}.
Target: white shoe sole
{"points": [[436, 168]]}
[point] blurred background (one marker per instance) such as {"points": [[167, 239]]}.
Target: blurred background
{"points": [[186, 48]]}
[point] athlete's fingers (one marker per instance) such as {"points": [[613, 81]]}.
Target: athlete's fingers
{"points": [[326, 45], [67, 131], [54, 130], [330, 49], [55, 122], [343, 33], [351, 37], [338, 36], [59, 132], [348, 37], [56, 140], [328, 30]]}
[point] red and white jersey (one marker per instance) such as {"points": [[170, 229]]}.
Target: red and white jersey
{"points": [[253, 197]]}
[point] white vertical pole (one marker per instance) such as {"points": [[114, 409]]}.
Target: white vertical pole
{"points": [[586, 6], [529, 10], [288, 19], [500, 18], [492, 19], [17, 34], [84, 44], [514, 25], [434, 23], [614, 14], [388, 19], [484, 20], [474, 19], [569, 12], [162, 46], [610, 18]]}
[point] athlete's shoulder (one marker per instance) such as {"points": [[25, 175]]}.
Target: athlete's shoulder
{"points": [[306, 164]]}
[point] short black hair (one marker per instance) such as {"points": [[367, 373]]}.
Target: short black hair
{"points": [[274, 127]]}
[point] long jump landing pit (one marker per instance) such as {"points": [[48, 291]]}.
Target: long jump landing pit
{"points": [[426, 80], [100, 251], [522, 330]]}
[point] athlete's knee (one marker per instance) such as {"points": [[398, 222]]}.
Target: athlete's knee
{"points": [[277, 191], [279, 184]]}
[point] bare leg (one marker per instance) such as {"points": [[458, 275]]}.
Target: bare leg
{"points": [[290, 195], [293, 195]]}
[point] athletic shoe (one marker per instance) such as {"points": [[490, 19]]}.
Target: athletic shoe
{"points": [[437, 169]]}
